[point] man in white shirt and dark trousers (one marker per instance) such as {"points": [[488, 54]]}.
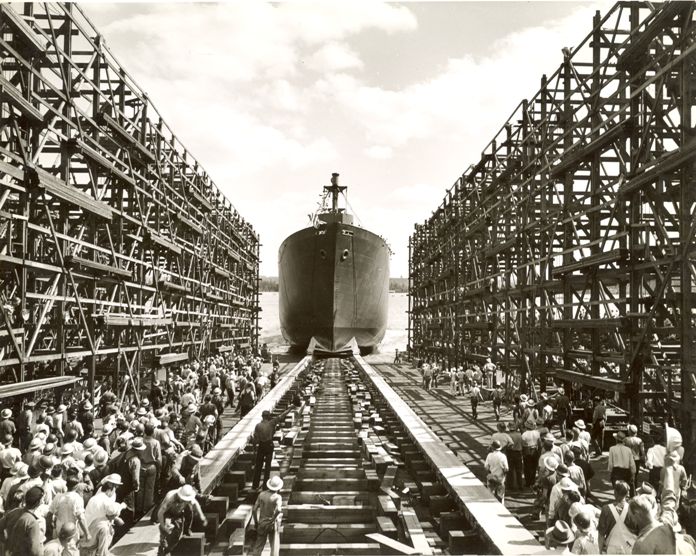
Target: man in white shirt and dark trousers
{"points": [[497, 467]]}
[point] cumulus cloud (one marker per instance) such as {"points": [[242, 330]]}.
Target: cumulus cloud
{"points": [[334, 57], [380, 152], [273, 97]]}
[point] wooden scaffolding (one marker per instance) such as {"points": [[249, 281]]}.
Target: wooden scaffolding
{"points": [[118, 254], [567, 251]]}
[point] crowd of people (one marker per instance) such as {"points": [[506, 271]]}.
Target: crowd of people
{"points": [[70, 487], [546, 450]]}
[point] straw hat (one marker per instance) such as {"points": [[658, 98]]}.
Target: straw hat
{"points": [[632, 429], [580, 424], [101, 458], [551, 463], [524, 398], [560, 533], [274, 483], [531, 403], [6, 413], [196, 452], [186, 493], [114, 479], [87, 405], [61, 408], [620, 436], [137, 444], [35, 444]]}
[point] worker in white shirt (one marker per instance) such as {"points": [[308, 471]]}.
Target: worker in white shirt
{"points": [[497, 467]]}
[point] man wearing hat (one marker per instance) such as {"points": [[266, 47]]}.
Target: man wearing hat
{"points": [[58, 421], [621, 465], [496, 465], [267, 514], [7, 426], [104, 498], [545, 483], [25, 422], [101, 531], [635, 443], [156, 394], [549, 450], [33, 451], [583, 435], [530, 452], [563, 410], [599, 416], [186, 468], [263, 439], [560, 536], [86, 418], [151, 458], [18, 474], [23, 527], [100, 469], [129, 470], [9, 455], [175, 515]]}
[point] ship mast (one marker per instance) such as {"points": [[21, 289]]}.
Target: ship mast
{"points": [[335, 190]]}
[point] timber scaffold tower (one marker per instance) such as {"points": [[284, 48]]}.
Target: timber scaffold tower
{"points": [[567, 251], [118, 254]]}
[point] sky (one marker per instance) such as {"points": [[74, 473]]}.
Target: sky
{"points": [[399, 98]]}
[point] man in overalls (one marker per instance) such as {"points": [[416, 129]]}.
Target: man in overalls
{"points": [[266, 514]]}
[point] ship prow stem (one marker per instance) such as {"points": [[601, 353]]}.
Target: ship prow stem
{"points": [[316, 349]]}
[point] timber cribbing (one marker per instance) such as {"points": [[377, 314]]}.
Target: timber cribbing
{"points": [[566, 251], [118, 253]]}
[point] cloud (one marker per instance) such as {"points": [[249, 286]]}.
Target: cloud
{"points": [[334, 57], [379, 152], [271, 98], [468, 101]]}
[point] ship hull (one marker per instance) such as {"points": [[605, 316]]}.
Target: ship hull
{"points": [[333, 287]]}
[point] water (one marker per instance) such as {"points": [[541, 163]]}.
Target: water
{"points": [[395, 337]]}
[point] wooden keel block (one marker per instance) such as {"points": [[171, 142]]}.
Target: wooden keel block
{"points": [[440, 503], [236, 542], [462, 542], [429, 489], [191, 545], [450, 521], [228, 491], [386, 527], [218, 505]]}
